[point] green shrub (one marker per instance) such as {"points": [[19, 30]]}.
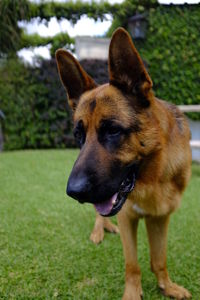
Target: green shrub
{"points": [[172, 52], [97, 69], [34, 104]]}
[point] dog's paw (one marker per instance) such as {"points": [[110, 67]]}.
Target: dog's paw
{"points": [[133, 296], [97, 235], [133, 292], [175, 291], [110, 227]]}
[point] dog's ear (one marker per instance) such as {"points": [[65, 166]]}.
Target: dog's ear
{"points": [[126, 68], [75, 80]]}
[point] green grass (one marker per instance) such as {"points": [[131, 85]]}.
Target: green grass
{"points": [[45, 252]]}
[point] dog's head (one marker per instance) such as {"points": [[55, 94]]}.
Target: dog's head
{"points": [[113, 125]]}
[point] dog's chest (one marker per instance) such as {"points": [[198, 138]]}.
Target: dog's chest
{"points": [[138, 209]]}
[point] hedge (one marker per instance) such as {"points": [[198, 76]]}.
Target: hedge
{"points": [[171, 50], [34, 103]]}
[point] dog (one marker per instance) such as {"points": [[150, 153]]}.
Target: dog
{"points": [[101, 224], [135, 157]]}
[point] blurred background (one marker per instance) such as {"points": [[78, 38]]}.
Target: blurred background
{"points": [[33, 107]]}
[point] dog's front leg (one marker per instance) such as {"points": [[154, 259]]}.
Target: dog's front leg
{"points": [[157, 228], [128, 232], [102, 223]]}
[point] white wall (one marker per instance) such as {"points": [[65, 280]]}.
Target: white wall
{"points": [[92, 48]]}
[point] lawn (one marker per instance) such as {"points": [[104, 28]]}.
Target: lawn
{"points": [[45, 252]]}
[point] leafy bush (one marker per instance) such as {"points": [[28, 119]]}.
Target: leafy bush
{"points": [[11, 11], [172, 52], [97, 69], [34, 103]]}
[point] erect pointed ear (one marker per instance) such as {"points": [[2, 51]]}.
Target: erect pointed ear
{"points": [[75, 80], [126, 68]]}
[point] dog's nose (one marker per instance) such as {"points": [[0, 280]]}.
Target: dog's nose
{"points": [[78, 188]]}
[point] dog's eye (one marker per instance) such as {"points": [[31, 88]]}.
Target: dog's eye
{"points": [[110, 134], [113, 131], [79, 134], [110, 131]]}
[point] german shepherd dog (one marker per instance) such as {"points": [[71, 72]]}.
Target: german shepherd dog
{"points": [[134, 156]]}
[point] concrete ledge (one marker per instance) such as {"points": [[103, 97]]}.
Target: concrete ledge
{"points": [[189, 108]]}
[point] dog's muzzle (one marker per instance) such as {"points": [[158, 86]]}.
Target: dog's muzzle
{"points": [[112, 206], [80, 188]]}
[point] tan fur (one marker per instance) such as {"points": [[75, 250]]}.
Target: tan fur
{"points": [[159, 142], [101, 224]]}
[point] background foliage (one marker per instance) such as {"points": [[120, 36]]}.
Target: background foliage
{"points": [[32, 97], [171, 50], [34, 103], [58, 41], [11, 11], [74, 10]]}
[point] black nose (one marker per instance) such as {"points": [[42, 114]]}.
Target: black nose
{"points": [[79, 188]]}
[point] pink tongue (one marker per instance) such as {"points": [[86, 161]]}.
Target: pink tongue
{"points": [[104, 208]]}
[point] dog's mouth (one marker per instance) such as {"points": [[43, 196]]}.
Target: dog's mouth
{"points": [[113, 205]]}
